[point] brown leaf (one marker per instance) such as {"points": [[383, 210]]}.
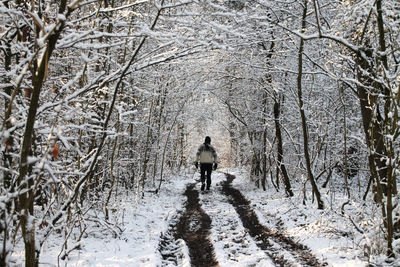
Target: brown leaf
{"points": [[55, 151]]}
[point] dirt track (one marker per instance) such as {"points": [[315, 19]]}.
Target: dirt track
{"points": [[193, 226], [263, 235], [194, 229]]}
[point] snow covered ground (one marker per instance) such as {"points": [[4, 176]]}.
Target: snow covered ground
{"points": [[331, 237]]}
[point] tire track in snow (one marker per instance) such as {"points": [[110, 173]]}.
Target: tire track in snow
{"points": [[173, 252], [193, 227], [233, 244], [269, 241]]}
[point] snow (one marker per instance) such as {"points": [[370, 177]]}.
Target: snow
{"points": [[143, 220], [61, 17]]}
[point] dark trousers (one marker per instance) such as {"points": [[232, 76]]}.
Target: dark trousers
{"points": [[205, 171]]}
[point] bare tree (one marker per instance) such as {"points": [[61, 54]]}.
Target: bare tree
{"points": [[302, 113]]}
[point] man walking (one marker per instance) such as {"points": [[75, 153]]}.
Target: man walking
{"points": [[207, 157]]}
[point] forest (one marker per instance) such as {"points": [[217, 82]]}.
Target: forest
{"points": [[105, 102]]}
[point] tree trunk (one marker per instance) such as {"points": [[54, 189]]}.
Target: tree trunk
{"points": [[161, 104], [278, 136], [376, 126], [147, 145], [7, 156], [372, 128], [112, 160], [25, 200], [345, 156], [389, 130], [9, 141], [166, 144], [25, 205], [303, 116], [264, 144], [264, 161]]}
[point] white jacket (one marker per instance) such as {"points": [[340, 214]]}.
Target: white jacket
{"points": [[206, 154]]}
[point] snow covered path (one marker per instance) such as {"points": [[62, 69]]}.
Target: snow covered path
{"points": [[237, 237]]}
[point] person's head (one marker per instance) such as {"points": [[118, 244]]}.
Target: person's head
{"points": [[208, 140]]}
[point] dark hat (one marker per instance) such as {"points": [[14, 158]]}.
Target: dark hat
{"points": [[208, 140]]}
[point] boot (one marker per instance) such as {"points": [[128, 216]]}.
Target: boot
{"points": [[202, 186]]}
